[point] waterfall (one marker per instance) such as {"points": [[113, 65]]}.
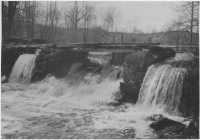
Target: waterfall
{"points": [[23, 69], [162, 88]]}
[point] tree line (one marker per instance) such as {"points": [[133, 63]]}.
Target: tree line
{"points": [[44, 19], [81, 21]]}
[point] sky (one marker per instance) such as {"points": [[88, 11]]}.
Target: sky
{"points": [[149, 14]]}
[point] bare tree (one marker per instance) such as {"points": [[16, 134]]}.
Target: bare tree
{"points": [[52, 18], [8, 11], [88, 20], [174, 33], [188, 19], [76, 15], [135, 23], [112, 18]]}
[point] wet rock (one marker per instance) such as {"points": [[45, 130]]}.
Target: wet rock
{"points": [[194, 125], [163, 123], [59, 64], [4, 79], [189, 102], [45, 50], [166, 128], [136, 64], [180, 132], [38, 76], [118, 97], [118, 58], [131, 92], [161, 53], [155, 117], [134, 67]]}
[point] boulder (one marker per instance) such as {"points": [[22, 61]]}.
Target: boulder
{"points": [[134, 67], [118, 58], [194, 125], [155, 117], [131, 92], [45, 50], [163, 123], [4, 79], [161, 53], [58, 64], [136, 64], [180, 131]]}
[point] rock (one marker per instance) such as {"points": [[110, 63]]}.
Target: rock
{"points": [[163, 123], [45, 50], [161, 53], [172, 132], [4, 79], [136, 64], [134, 67], [59, 64], [189, 101], [180, 131], [119, 57], [194, 124], [38, 76], [131, 92], [155, 117]]}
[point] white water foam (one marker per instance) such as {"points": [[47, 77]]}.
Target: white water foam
{"points": [[89, 92]]}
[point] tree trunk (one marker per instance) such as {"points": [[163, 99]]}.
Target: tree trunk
{"points": [[191, 28], [12, 5]]}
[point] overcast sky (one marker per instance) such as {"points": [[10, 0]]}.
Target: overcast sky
{"points": [[149, 13]]}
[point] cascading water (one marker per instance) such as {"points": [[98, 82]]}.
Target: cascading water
{"points": [[23, 69], [88, 95], [161, 88]]}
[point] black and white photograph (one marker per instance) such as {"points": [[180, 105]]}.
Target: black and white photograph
{"points": [[99, 69]]}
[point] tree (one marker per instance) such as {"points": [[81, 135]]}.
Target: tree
{"points": [[52, 18], [112, 18], [76, 14], [135, 23], [88, 19], [174, 33], [8, 11], [188, 19]]}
